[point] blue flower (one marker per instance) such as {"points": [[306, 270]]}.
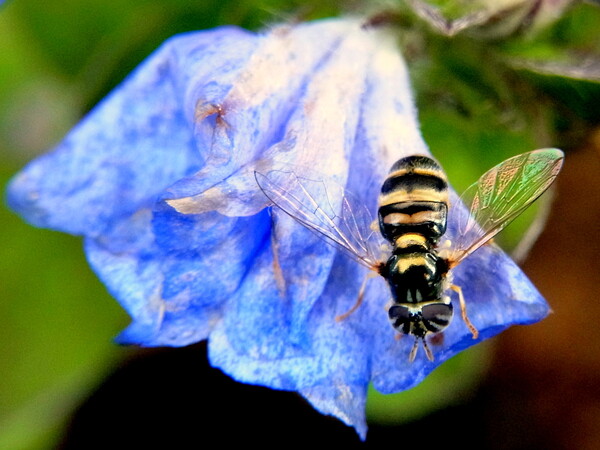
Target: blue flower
{"points": [[158, 178]]}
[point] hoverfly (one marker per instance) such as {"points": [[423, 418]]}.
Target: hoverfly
{"points": [[414, 209]]}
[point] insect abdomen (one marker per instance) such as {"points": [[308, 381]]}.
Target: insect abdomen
{"points": [[414, 199]]}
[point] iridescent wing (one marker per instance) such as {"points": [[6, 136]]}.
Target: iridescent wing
{"points": [[498, 197], [327, 210]]}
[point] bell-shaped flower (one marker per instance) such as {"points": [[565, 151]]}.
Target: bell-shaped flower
{"points": [[159, 180]]}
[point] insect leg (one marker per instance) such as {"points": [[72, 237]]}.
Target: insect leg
{"points": [[463, 310], [359, 300], [413, 351], [427, 350], [415, 347], [206, 109], [277, 271]]}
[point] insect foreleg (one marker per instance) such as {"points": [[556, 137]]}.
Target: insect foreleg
{"points": [[463, 310], [415, 347], [427, 350], [359, 300], [413, 351]]}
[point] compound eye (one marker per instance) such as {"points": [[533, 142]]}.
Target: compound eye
{"points": [[400, 317], [437, 316], [399, 312]]}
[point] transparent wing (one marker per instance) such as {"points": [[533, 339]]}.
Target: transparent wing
{"points": [[499, 196], [327, 210]]}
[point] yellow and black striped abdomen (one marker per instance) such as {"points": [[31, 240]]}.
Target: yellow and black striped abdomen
{"points": [[414, 200]]}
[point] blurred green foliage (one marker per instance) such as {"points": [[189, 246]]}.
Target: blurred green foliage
{"points": [[57, 326], [479, 102]]}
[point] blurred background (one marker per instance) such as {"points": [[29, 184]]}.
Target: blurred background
{"points": [[522, 75]]}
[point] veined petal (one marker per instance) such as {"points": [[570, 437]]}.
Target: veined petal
{"points": [[333, 369], [255, 110], [175, 293], [130, 147], [319, 124], [388, 128], [346, 402], [267, 316]]}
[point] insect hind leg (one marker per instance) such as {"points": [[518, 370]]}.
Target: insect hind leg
{"points": [[463, 311], [359, 300]]}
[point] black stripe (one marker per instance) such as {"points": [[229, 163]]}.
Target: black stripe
{"points": [[417, 161], [412, 181], [432, 231], [434, 327], [411, 208], [443, 321]]}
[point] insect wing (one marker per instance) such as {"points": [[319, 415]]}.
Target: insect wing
{"points": [[327, 210], [499, 196]]}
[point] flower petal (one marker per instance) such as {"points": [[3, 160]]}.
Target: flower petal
{"points": [[132, 145], [175, 288], [332, 371], [318, 122]]}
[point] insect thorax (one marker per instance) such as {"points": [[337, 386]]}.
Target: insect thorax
{"points": [[416, 281], [416, 276]]}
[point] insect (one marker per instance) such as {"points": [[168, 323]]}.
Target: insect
{"points": [[414, 210]]}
